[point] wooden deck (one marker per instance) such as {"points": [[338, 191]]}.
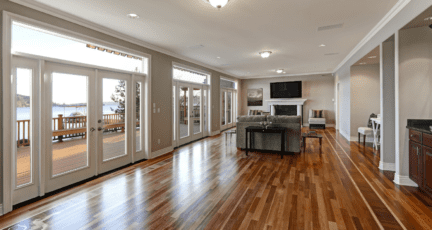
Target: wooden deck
{"points": [[210, 184], [70, 154]]}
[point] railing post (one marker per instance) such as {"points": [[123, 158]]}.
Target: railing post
{"points": [[60, 126]]}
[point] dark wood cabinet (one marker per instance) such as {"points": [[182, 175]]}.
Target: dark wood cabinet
{"points": [[427, 169], [420, 159], [414, 161]]}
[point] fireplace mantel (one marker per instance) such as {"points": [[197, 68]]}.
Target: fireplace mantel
{"points": [[298, 102]]}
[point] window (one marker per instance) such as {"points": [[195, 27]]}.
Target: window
{"points": [[31, 40], [227, 84], [191, 76]]}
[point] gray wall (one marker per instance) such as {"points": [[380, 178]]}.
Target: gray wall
{"points": [[318, 89], [365, 95], [415, 84]]}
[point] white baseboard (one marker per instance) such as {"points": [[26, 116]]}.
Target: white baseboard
{"points": [[387, 166], [404, 180], [161, 152], [214, 133]]}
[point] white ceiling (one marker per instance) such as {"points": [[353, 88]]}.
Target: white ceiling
{"points": [[237, 32]]}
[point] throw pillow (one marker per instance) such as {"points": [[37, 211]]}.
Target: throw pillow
{"points": [[317, 113]]}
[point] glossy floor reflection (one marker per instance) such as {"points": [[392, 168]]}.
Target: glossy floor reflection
{"points": [[210, 184]]}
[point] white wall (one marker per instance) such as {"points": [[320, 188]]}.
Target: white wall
{"points": [[365, 95], [344, 101], [318, 89]]}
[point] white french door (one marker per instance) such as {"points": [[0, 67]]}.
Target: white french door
{"points": [[25, 132], [70, 120], [71, 124], [190, 112], [228, 108]]}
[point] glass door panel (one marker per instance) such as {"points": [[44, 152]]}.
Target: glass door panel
{"points": [[196, 110], [23, 153], [183, 101], [114, 118], [223, 108], [69, 124], [229, 107], [138, 120]]}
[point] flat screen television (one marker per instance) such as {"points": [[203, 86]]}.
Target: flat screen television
{"points": [[292, 89]]}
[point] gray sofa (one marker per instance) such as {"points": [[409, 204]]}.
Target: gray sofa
{"points": [[270, 141]]}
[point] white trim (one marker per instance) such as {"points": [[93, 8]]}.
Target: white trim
{"points": [[214, 133], [7, 148], [79, 21], [386, 19], [161, 152], [345, 135], [1, 208], [387, 166], [404, 180]]}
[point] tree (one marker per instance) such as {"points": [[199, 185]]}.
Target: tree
{"points": [[119, 97]]}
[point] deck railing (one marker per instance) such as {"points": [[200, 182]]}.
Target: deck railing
{"points": [[68, 127]]}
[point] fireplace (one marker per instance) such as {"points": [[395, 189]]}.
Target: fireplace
{"points": [[289, 110], [292, 103]]}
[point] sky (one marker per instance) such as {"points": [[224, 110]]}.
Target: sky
{"points": [[67, 88]]}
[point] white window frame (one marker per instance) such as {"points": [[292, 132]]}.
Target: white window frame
{"points": [[8, 19]]}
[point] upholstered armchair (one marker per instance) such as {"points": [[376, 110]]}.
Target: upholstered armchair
{"points": [[317, 119]]}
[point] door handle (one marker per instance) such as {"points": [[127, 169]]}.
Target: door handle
{"points": [[417, 151], [92, 129], [100, 129]]}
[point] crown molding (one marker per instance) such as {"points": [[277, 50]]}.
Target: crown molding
{"points": [[386, 19], [285, 75], [82, 22]]}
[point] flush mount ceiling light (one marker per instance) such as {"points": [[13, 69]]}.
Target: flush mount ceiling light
{"points": [[372, 57], [133, 16], [322, 45], [279, 71], [265, 54], [218, 3]]}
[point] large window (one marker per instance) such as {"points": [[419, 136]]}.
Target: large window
{"points": [[227, 84], [31, 40]]}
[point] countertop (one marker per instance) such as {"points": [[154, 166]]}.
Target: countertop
{"points": [[419, 125]]}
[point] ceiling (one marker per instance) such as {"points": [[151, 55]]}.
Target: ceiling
{"points": [[371, 58], [424, 19], [240, 30]]}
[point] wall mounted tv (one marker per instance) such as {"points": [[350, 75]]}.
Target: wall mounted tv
{"points": [[292, 89]]}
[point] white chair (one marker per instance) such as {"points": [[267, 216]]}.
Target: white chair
{"points": [[316, 122], [365, 131]]}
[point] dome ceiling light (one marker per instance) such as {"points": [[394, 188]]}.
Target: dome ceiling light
{"points": [[265, 54], [218, 3]]}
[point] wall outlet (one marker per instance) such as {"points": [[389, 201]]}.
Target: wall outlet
{"points": [[158, 141]]}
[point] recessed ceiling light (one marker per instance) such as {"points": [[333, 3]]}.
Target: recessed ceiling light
{"points": [[372, 57], [265, 54], [279, 71], [322, 45], [218, 3], [218, 57], [133, 16], [363, 63]]}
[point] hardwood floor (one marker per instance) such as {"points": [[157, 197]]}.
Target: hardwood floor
{"points": [[210, 184]]}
